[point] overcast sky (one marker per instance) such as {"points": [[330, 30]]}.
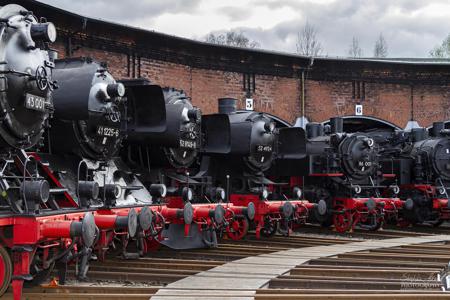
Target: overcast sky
{"points": [[411, 27]]}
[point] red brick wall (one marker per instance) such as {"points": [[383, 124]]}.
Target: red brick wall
{"points": [[282, 96]]}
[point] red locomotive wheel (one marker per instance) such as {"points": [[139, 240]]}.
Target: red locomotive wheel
{"points": [[238, 229], [5, 270], [343, 220]]}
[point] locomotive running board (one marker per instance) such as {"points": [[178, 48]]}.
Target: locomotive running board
{"points": [[174, 237]]}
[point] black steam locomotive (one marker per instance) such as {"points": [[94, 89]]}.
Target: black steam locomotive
{"points": [[164, 156], [420, 160], [85, 132], [343, 169], [246, 152], [25, 98]]}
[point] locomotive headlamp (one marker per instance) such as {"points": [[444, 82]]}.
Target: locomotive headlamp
{"points": [[395, 189], [43, 31], [357, 189], [194, 114], [158, 190], [264, 194], [110, 192], [370, 142], [187, 194], [269, 127], [220, 194], [297, 193], [115, 90], [88, 189]]}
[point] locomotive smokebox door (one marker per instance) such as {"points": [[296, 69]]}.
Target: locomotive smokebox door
{"points": [[25, 77]]}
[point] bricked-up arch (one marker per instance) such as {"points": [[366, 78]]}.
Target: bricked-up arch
{"points": [[392, 89], [364, 123]]}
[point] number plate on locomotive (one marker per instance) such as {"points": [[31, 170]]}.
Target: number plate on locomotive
{"points": [[188, 144], [107, 131], [262, 148], [35, 102]]}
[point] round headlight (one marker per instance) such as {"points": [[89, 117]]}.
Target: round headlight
{"points": [[43, 31], [264, 194], [187, 194], [297, 192], [220, 194], [395, 189], [269, 127]]}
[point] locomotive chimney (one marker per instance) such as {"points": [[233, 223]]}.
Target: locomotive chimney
{"points": [[436, 128], [419, 134], [337, 125], [227, 106], [313, 130]]}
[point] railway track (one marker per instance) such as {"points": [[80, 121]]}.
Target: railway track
{"points": [[403, 271]]}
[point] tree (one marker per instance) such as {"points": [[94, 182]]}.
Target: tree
{"points": [[381, 48], [442, 50], [231, 38], [307, 42], [355, 50]]}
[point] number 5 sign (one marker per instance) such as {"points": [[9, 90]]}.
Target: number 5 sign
{"points": [[248, 104]]}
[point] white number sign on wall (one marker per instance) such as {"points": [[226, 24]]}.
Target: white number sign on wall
{"points": [[358, 110], [248, 104]]}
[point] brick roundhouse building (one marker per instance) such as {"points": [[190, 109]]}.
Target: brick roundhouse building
{"points": [[282, 84]]}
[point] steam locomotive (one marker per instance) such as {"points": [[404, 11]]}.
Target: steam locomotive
{"points": [[420, 158], [343, 170], [27, 220], [239, 163]]}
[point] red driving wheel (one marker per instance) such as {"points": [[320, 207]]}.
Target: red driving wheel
{"points": [[5, 270], [343, 220], [237, 229]]}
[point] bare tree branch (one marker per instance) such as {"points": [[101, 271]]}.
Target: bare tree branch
{"points": [[355, 50], [307, 42], [231, 38], [381, 48], [443, 50]]}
